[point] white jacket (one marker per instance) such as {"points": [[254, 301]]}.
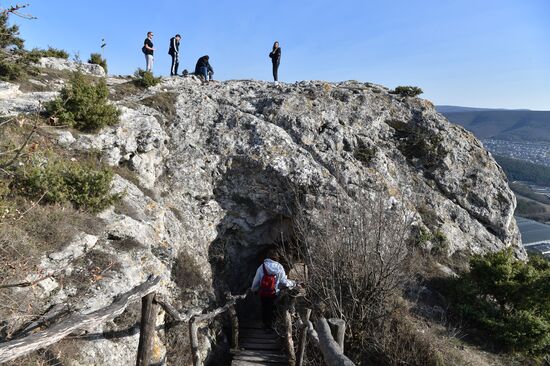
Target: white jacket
{"points": [[273, 268]]}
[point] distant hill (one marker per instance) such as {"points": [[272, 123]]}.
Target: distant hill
{"points": [[501, 124]]}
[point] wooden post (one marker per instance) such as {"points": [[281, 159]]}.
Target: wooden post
{"points": [[304, 315], [289, 343], [338, 330], [194, 338], [147, 330], [234, 323], [331, 351], [234, 328]]}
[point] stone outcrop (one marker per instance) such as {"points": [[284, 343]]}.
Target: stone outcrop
{"points": [[216, 166], [62, 64]]}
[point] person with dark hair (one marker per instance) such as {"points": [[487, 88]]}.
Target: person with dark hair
{"points": [[269, 279], [174, 51], [148, 50], [275, 56], [204, 69]]}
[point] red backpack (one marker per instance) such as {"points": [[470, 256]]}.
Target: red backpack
{"points": [[267, 284]]}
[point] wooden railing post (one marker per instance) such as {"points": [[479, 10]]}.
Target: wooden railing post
{"points": [[338, 330], [289, 343], [234, 324], [147, 330], [194, 338], [304, 316]]}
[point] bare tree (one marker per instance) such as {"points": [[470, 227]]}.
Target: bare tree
{"points": [[358, 257]]}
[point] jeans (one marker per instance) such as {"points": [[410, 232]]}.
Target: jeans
{"points": [[268, 310], [148, 62], [204, 72], [276, 71], [175, 65]]}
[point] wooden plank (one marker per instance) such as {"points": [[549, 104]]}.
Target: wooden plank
{"points": [[260, 341], [259, 333], [252, 363], [259, 336], [259, 346], [246, 352], [260, 363], [260, 358], [20, 347]]}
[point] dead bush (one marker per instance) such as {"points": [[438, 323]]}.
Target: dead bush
{"points": [[186, 273], [360, 257]]}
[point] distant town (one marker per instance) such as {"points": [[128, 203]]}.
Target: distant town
{"points": [[535, 152]]}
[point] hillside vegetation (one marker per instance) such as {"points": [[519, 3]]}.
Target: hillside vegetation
{"points": [[524, 171], [519, 125]]}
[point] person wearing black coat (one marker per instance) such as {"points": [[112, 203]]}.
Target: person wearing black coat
{"points": [[174, 51], [203, 68], [275, 56]]}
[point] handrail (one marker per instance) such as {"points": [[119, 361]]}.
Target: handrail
{"points": [[19, 347], [195, 320]]}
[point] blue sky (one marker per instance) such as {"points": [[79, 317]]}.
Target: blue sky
{"points": [[489, 53]]}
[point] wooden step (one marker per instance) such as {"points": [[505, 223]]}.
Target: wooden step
{"points": [[250, 355], [260, 346], [253, 363]]}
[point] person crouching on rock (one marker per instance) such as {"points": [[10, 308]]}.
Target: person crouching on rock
{"points": [[270, 278], [203, 68]]}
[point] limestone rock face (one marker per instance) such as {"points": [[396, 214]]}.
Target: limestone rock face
{"points": [[14, 102], [215, 167], [62, 64]]}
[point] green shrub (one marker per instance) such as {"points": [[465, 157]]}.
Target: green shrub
{"points": [[61, 181], [95, 58], [507, 298], [145, 78], [408, 91], [84, 105], [35, 54], [11, 70]]}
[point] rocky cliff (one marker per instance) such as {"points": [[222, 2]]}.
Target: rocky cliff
{"points": [[216, 165]]}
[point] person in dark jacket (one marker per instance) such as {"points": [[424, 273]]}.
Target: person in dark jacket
{"points": [[204, 69], [148, 50], [174, 51], [275, 56]]}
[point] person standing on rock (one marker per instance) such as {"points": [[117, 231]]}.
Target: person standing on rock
{"points": [[275, 56], [148, 50], [269, 279], [174, 51], [204, 69]]}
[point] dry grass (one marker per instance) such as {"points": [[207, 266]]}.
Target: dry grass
{"points": [[164, 102], [186, 273], [124, 90], [23, 242]]}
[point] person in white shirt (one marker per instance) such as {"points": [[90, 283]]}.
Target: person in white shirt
{"points": [[269, 279]]}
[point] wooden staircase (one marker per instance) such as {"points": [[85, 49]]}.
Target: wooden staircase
{"points": [[258, 346]]}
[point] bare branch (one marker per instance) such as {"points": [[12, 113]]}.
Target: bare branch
{"points": [[14, 9]]}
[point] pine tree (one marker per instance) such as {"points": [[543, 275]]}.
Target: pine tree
{"points": [[9, 35]]}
